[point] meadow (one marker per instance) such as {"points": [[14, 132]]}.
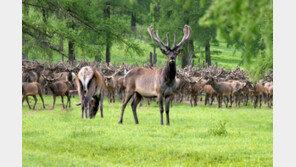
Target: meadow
{"points": [[197, 136]]}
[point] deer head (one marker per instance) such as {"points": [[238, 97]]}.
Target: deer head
{"points": [[165, 48]]}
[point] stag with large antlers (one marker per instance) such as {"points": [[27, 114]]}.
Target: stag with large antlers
{"points": [[142, 82]]}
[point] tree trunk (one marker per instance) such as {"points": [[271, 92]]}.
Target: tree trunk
{"points": [[61, 47], [71, 51], [186, 55], [133, 24], [208, 53], [107, 16], [150, 59]]}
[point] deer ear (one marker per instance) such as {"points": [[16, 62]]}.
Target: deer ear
{"points": [[163, 51]]}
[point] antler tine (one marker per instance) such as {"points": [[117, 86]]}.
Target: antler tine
{"points": [[161, 44], [187, 33], [160, 39], [175, 39], [168, 38]]}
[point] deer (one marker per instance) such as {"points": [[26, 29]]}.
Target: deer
{"points": [[257, 91], [268, 91], [31, 89], [59, 88], [210, 93], [223, 90], [90, 86], [142, 82]]}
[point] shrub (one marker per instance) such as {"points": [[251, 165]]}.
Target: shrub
{"points": [[218, 128]]}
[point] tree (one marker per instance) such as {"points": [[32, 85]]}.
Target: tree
{"points": [[247, 25]]}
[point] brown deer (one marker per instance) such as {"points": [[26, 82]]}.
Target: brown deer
{"points": [[142, 82], [210, 93], [257, 91], [223, 90], [268, 91], [90, 86], [59, 88], [31, 89]]}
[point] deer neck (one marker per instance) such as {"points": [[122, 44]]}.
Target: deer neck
{"points": [[170, 71], [215, 86]]}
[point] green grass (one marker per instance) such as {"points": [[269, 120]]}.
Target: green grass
{"points": [[61, 138]]}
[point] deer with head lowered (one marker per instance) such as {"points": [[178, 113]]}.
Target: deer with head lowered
{"points": [[90, 86], [142, 82]]}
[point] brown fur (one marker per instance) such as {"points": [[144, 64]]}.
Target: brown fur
{"points": [[31, 89], [142, 82], [210, 93], [93, 98], [223, 90]]}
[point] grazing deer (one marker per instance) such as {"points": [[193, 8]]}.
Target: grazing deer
{"points": [[142, 82], [59, 88], [90, 86], [31, 89]]}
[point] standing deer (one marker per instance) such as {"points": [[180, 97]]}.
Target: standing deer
{"points": [[31, 89], [142, 82], [90, 86], [223, 90], [59, 88]]}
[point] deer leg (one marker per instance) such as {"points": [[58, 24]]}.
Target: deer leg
{"points": [[195, 100], [206, 99], [167, 110], [101, 104], [260, 97], [224, 99], [160, 103], [128, 96], [40, 94], [219, 101], [35, 98], [191, 100], [255, 101], [62, 97], [27, 100], [231, 100], [26, 97], [135, 102], [247, 99], [113, 97], [54, 99], [212, 99], [69, 100]]}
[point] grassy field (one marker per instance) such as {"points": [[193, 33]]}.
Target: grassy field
{"points": [[199, 136]]}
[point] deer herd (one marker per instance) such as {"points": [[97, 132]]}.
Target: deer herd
{"points": [[93, 81]]}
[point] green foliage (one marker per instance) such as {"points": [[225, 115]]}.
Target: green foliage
{"points": [[218, 128], [61, 138], [247, 25]]}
